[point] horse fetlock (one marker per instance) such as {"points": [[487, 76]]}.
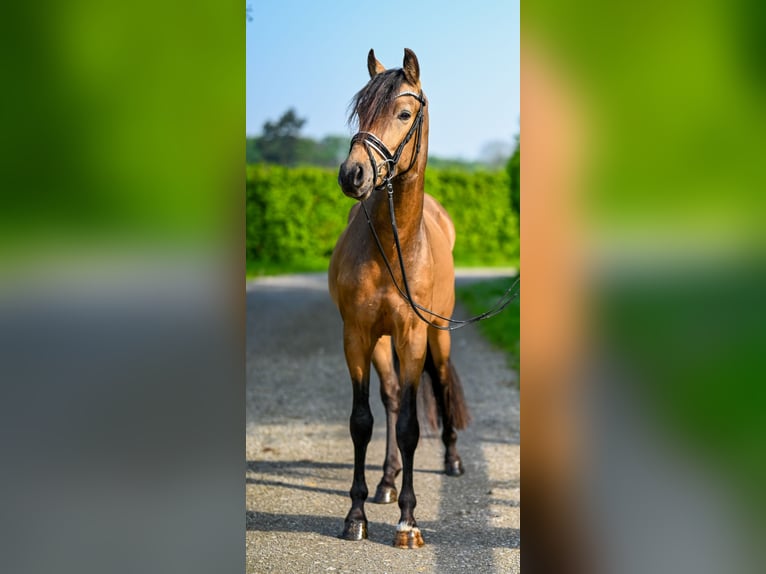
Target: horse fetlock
{"points": [[358, 493], [449, 436], [407, 504], [392, 471], [453, 467]]}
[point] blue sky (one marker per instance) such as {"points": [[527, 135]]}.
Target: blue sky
{"points": [[312, 55]]}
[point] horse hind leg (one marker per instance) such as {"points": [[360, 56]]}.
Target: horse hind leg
{"points": [[450, 400], [384, 360]]}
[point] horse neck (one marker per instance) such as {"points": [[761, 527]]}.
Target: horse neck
{"points": [[408, 208], [408, 198], [408, 202]]}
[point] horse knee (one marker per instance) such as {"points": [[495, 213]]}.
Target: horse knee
{"points": [[389, 396], [408, 500], [407, 432], [360, 424]]}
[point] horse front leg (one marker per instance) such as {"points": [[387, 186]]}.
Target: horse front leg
{"points": [[383, 360], [358, 351], [412, 357]]}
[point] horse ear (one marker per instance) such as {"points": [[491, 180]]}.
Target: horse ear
{"points": [[373, 66], [411, 67]]}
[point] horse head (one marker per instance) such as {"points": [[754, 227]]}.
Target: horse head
{"points": [[391, 115]]}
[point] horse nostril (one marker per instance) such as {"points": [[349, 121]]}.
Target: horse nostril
{"points": [[358, 176]]}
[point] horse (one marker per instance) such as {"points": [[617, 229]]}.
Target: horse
{"points": [[365, 277]]}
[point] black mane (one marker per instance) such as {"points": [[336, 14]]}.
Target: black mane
{"points": [[375, 98]]}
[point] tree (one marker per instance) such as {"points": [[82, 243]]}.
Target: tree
{"points": [[330, 151], [494, 154], [514, 174], [252, 150], [281, 142]]}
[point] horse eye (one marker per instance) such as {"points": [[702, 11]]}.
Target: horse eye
{"points": [[405, 115]]}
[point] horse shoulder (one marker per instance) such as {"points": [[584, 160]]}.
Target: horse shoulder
{"points": [[340, 258], [348, 263], [352, 212], [438, 217]]}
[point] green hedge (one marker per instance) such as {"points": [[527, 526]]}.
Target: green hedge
{"points": [[295, 215], [480, 206]]}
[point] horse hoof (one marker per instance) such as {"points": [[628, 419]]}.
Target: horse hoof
{"points": [[454, 467], [408, 538], [355, 530], [385, 494]]}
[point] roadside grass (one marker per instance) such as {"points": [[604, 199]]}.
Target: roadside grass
{"points": [[502, 330], [264, 268]]}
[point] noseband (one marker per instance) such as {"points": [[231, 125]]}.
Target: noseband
{"points": [[373, 143]]}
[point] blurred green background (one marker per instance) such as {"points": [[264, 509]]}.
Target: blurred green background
{"points": [[121, 262], [672, 98], [116, 126]]}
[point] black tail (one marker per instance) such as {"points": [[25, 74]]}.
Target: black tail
{"points": [[443, 398], [428, 413]]}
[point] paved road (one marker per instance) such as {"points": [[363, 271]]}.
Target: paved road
{"points": [[300, 457]]}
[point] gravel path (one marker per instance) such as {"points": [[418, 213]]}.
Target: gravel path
{"points": [[300, 455]]}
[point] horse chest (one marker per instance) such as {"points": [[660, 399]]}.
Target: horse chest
{"points": [[382, 313]]}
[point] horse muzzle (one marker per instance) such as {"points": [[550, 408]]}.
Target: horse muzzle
{"points": [[355, 179]]}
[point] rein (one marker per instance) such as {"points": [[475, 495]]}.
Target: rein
{"points": [[371, 142], [454, 324]]}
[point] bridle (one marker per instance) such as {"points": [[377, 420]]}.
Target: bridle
{"points": [[373, 144]]}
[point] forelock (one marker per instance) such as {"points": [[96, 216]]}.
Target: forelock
{"points": [[375, 98]]}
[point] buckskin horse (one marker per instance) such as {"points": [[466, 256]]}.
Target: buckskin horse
{"points": [[395, 226]]}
